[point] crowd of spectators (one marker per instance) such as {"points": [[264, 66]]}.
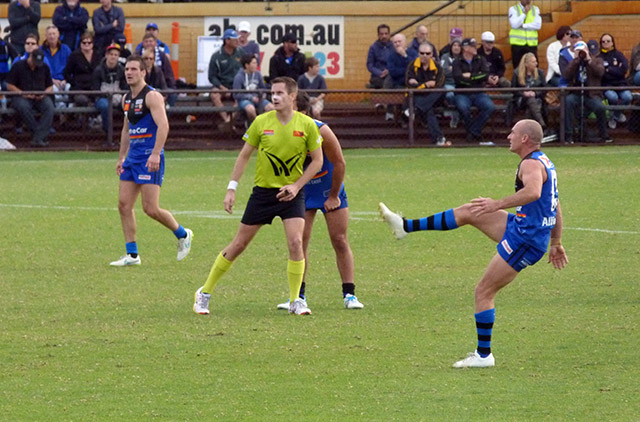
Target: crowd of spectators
{"points": [[73, 57]]}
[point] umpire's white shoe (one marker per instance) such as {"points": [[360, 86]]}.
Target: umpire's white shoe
{"points": [[201, 302], [126, 260], [393, 220], [283, 306], [299, 307], [474, 360], [184, 245], [352, 302]]}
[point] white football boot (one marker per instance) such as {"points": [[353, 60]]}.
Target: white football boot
{"points": [[184, 245], [352, 302], [201, 303], [474, 360], [299, 307], [393, 220], [126, 260]]}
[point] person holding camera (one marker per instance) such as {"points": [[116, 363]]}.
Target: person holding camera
{"points": [[584, 71]]}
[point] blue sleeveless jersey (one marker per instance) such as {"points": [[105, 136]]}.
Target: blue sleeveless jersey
{"points": [[142, 127], [535, 220], [320, 185]]}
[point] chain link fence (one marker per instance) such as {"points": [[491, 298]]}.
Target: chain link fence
{"points": [[360, 118]]}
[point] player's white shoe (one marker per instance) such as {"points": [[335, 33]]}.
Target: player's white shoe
{"points": [[126, 260], [201, 303], [393, 220], [184, 245], [283, 306], [474, 360], [352, 302], [299, 307]]}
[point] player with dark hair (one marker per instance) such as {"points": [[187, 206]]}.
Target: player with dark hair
{"points": [[325, 192], [282, 137], [141, 162], [522, 237]]}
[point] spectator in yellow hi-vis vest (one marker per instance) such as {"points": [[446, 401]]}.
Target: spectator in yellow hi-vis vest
{"points": [[525, 22]]}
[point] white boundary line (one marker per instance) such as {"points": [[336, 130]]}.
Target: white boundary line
{"points": [[222, 215]]}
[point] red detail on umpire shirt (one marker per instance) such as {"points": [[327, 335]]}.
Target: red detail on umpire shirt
{"points": [[506, 246], [267, 132], [298, 133]]}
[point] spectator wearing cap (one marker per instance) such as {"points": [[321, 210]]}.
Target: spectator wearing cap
{"points": [[424, 74], [422, 36], [563, 39], [223, 67], [472, 71], [109, 77], [454, 34], [162, 47], [525, 22], [80, 66], [377, 57], [32, 75], [567, 54], [108, 21], [397, 61], [121, 40], [616, 66], [584, 71], [71, 20], [494, 58], [287, 60], [24, 16], [249, 46]]}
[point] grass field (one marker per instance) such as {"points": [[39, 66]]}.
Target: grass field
{"points": [[81, 341]]}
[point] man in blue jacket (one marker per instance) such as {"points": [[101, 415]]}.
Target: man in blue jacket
{"points": [[397, 61], [108, 21], [71, 19], [377, 57]]}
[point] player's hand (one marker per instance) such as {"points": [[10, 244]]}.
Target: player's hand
{"points": [[119, 169], [332, 203], [153, 163], [480, 206], [229, 200], [287, 193], [558, 257]]}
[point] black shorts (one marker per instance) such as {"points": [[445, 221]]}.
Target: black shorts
{"points": [[263, 207]]}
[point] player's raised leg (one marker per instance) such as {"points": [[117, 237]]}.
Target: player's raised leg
{"points": [[491, 224]]}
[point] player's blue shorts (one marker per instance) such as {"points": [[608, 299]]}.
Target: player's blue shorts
{"points": [[314, 200], [514, 250], [139, 173]]}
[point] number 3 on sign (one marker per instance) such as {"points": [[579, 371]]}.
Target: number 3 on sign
{"points": [[329, 64]]}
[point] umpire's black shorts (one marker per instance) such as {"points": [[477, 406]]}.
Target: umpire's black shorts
{"points": [[263, 207]]}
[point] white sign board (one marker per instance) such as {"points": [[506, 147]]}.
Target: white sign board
{"points": [[206, 47], [318, 36]]}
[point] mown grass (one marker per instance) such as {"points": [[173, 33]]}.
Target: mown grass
{"points": [[83, 341]]}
